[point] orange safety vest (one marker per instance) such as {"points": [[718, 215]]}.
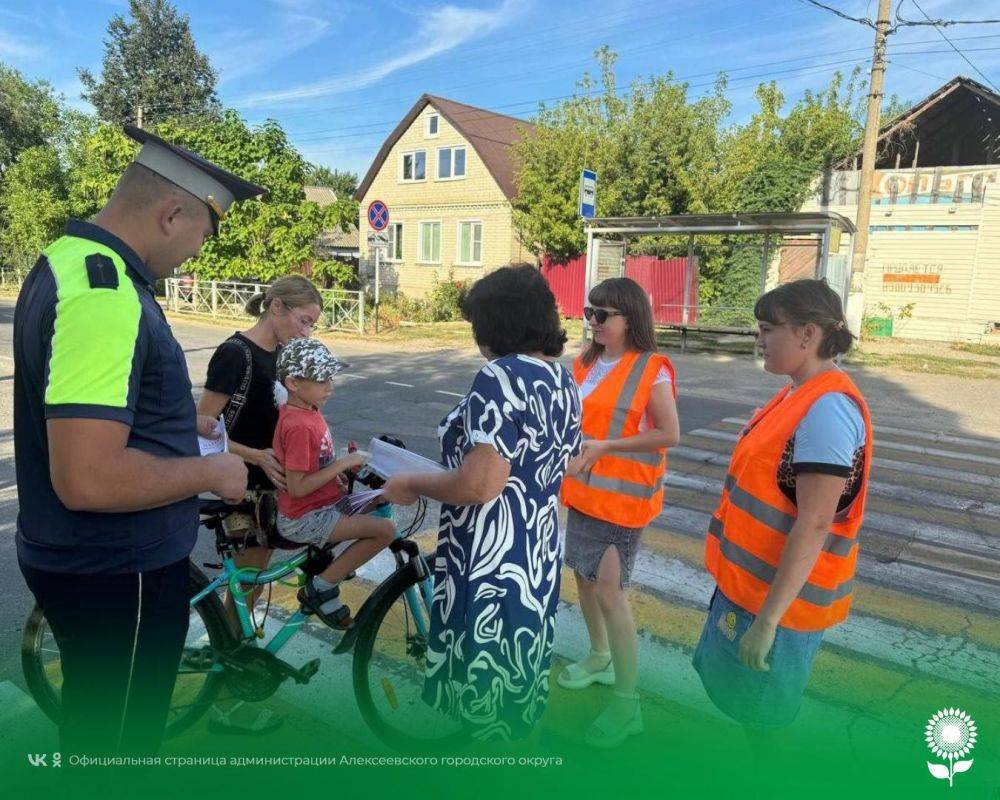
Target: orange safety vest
{"points": [[622, 488], [747, 533]]}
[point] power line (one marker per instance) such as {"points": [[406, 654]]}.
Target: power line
{"points": [[860, 20], [812, 68], [941, 33], [376, 128], [515, 77]]}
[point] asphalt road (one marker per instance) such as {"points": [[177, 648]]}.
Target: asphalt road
{"points": [[927, 599], [383, 391]]}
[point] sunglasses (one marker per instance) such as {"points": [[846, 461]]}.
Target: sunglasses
{"points": [[599, 315]]}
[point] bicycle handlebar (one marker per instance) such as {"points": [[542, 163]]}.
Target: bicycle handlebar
{"points": [[211, 507]]}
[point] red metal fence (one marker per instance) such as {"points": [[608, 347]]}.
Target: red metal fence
{"points": [[663, 280]]}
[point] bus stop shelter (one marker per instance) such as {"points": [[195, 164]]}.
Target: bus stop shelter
{"points": [[825, 226]]}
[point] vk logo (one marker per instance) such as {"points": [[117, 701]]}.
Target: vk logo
{"points": [[38, 759]]}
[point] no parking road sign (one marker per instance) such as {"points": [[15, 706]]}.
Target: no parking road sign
{"points": [[378, 215]]}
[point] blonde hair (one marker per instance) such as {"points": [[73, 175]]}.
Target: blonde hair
{"points": [[294, 291]]}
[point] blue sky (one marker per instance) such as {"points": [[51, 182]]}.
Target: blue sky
{"points": [[339, 74]]}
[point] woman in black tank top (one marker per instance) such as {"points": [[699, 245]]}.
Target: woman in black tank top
{"points": [[241, 386]]}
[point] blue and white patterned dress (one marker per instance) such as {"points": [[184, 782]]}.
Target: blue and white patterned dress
{"points": [[496, 571]]}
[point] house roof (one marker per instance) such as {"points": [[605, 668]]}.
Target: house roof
{"points": [[323, 195], [340, 239], [785, 223], [489, 133], [956, 125]]}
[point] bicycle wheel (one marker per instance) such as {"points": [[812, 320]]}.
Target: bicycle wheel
{"points": [[389, 666], [196, 686]]}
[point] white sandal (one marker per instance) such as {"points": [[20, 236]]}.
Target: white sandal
{"points": [[576, 676], [603, 733]]}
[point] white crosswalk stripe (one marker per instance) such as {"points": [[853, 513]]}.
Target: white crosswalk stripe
{"points": [[942, 547]]}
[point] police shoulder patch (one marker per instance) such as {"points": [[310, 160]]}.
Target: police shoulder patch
{"points": [[101, 272]]}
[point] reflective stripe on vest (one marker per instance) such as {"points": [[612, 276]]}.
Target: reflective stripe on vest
{"points": [[760, 569], [777, 519], [749, 530], [629, 388], [622, 488], [649, 459]]}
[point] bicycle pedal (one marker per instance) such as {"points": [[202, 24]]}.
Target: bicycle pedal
{"points": [[307, 670]]}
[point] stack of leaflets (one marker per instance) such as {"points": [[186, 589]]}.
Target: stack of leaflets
{"points": [[385, 460], [351, 504], [210, 447]]}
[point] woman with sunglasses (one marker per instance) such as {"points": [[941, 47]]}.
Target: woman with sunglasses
{"points": [[614, 488]]}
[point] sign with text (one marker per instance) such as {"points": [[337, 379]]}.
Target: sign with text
{"points": [[588, 194]]}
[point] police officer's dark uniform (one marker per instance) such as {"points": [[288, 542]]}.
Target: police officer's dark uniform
{"points": [[90, 341]]}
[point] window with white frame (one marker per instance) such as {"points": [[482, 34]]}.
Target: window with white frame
{"points": [[451, 163], [433, 123], [470, 243], [413, 166], [396, 241], [430, 242]]}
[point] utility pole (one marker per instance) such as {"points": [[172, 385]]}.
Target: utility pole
{"points": [[856, 295], [138, 116]]}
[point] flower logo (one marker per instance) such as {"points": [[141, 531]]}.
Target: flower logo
{"points": [[951, 734]]}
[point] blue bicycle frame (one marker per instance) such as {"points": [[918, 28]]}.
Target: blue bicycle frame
{"points": [[418, 603]]}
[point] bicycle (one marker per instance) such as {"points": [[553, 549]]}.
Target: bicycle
{"points": [[388, 636]]}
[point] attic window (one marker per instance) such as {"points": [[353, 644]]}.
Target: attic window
{"points": [[432, 124], [413, 166]]}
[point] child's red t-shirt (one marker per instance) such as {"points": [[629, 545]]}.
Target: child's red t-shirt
{"points": [[302, 442]]}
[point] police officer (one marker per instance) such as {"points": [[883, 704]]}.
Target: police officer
{"points": [[106, 449]]}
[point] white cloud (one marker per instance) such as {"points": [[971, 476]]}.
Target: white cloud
{"points": [[13, 47], [441, 29], [299, 24]]}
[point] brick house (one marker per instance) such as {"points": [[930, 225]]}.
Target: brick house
{"points": [[447, 175]]}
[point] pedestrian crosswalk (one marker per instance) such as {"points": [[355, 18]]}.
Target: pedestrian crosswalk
{"points": [[928, 588], [925, 613], [924, 617], [926, 601]]}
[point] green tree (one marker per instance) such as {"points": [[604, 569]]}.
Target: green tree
{"points": [[653, 148], [33, 206], [29, 115], [151, 63], [345, 184], [258, 240]]}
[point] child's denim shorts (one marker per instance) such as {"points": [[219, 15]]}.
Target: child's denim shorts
{"points": [[314, 527], [763, 699]]}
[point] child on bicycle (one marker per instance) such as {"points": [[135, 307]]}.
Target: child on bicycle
{"points": [[304, 447]]}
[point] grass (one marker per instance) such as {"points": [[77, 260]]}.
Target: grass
{"points": [[925, 363], [977, 349]]}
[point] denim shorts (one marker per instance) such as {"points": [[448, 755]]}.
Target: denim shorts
{"points": [[587, 538], [763, 699], [314, 527]]}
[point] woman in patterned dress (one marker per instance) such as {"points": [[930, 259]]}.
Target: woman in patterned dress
{"points": [[496, 571]]}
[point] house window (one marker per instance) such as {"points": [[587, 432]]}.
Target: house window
{"points": [[430, 242], [432, 125], [414, 166], [451, 163], [470, 243], [396, 241]]}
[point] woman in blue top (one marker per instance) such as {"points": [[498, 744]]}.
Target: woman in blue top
{"points": [[496, 572]]}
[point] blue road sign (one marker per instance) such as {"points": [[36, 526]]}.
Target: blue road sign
{"points": [[378, 215], [588, 194]]}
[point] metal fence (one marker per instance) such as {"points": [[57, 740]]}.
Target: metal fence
{"points": [[342, 310]]}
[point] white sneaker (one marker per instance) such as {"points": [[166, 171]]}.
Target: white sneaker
{"points": [[576, 676]]}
